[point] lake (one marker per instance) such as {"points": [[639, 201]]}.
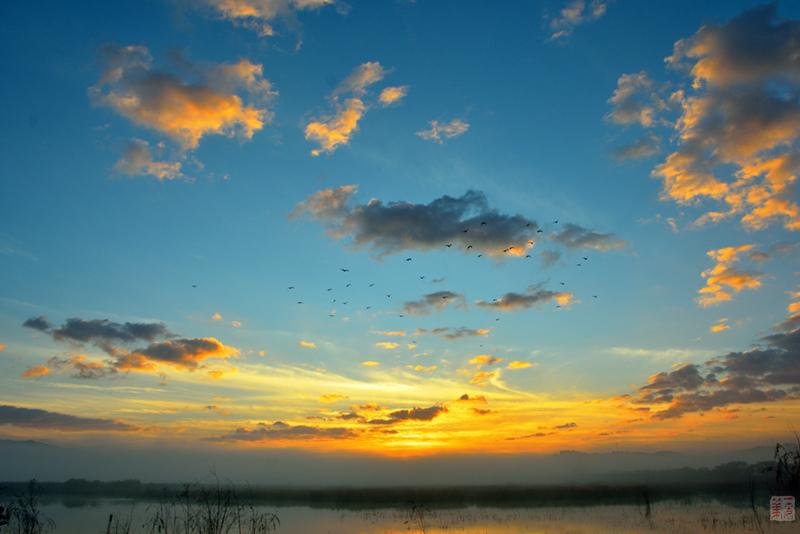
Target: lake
{"points": [[89, 517]]}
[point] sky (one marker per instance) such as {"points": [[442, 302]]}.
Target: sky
{"points": [[400, 228]]}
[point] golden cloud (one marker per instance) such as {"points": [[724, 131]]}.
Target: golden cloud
{"points": [[724, 279]]}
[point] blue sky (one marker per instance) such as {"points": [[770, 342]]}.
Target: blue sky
{"points": [[79, 239]]}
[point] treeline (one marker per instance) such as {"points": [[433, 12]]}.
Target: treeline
{"points": [[736, 481]]}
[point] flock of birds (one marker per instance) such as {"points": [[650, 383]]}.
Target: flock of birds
{"points": [[507, 250]]}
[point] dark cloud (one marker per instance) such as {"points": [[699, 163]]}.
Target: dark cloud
{"points": [[38, 323], [577, 237], [534, 296], [566, 426], [45, 420], [163, 347], [432, 302], [642, 147], [414, 414], [768, 372], [103, 331], [453, 333], [397, 226], [284, 431]]}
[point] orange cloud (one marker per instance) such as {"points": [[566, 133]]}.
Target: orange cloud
{"points": [[216, 317], [387, 344], [334, 131], [370, 363], [185, 354], [519, 365], [720, 326], [184, 111], [259, 15], [307, 344], [424, 368], [391, 95], [216, 374], [485, 359], [37, 371], [3, 347], [481, 378], [724, 275]]}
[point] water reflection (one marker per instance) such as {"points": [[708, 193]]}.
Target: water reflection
{"points": [[81, 516]]}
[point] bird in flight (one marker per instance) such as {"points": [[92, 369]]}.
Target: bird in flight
{"points": [[388, 295], [465, 230], [408, 259], [480, 255], [469, 247], [594, 296], [585, 258], [344, 304], [299, 301], [290, 287], [539, 231], [372, 284], [555, 222], [347, 285], [562, 283], [527, 255], [449, 245], [344, 270], [330, 289], [578, 264], [422, 277], [369, 307], [483, 223], [194, 285]]}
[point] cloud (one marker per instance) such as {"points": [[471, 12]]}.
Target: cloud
{"points": [[185, 111], [720, 326], [370, 363], [45, 420], [413, 414], [164, 347], [260, 15], [423, 368], [485, 359], [434, 302], [453, 333], [185, 354], [573, 14], [769, 372], [216, 317], [361, 79], [2, 347], [392, 333], [438, 132], [534, 296], [481, 378], [280, 431], [577, 237], [334, 130], [331, 132], [387, 345], [724, 279], [306, 344], [738, 121], [515, 365], [398, 226], [137, 160], [475, 398], [635, 101], [566, 426], [37, 371], [392, 95], [642, 147], [38, 323], [333, 397], [81, 367]]}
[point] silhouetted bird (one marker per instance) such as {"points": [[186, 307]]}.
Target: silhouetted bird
{"points": [[369, 307], [345, 270], [347, 285], [527, 255], [578, 264], [444, 297], [194, 285], [372, 284], [401, 315], [330, 289], [539, 231], [594, 296], [449, 245], [290, 287], [497, 318], [528, 225], [555, 222], [388, 296], [408, 259], [469, 247], [585, 258], [480, 255], [465, 230], [299, 301], [483, 223], [422, 277], [344, 304], [562, 283]]}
